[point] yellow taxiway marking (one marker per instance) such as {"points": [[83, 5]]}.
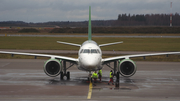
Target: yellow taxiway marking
{"points": [[90, 90]]}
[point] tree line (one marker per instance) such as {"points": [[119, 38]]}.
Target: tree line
{"points": [[122, 20], [147, 20], [120, 30]]}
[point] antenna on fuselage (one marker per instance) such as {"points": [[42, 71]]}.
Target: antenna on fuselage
{"points": [[89, 26]]}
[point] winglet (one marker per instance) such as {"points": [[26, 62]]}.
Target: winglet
{"points": [[89, 26]]}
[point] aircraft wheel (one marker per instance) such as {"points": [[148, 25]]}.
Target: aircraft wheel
{"points": [[62, 75], [68, 75]]}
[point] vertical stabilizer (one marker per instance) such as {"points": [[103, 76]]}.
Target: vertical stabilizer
{"points": [[89, 26]]}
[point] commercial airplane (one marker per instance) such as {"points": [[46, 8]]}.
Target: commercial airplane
{"points": [[89, 59]]}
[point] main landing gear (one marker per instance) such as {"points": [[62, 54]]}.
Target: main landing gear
{"points": [[116, 72], [67, 74], [64, 71]]}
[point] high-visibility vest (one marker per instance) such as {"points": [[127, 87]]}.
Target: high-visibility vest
{"points": [[94, 75], [100, 72], [110, 74]]}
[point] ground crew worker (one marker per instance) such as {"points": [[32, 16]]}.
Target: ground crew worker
{"points": [[94, 76], [100, 74], [111, 77]]}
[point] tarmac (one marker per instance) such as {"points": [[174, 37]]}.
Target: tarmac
{"points": [[25, 80]]}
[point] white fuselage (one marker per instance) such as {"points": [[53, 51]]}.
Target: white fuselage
{"points": [[90, 56]]}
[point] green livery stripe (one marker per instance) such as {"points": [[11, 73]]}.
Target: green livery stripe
{"points": [[89, 26]]}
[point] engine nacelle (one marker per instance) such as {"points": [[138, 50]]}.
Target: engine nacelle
{"points": [[127, 68], [52, 67]]}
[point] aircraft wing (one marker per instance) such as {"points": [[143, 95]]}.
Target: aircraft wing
{"points": [[42, 55], [138, 55]]}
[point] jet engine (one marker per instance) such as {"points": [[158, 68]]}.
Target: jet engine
{"points": [[127, 68], [52, 67]]}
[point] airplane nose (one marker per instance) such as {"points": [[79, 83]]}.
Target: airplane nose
{"points": [[91, 62]]}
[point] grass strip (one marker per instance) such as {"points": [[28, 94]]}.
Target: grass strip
{"points": [[130, 44]]}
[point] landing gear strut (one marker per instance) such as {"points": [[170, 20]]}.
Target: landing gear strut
{"points": [[89, 77], [117, 80], [115, 72], [64, 71]]}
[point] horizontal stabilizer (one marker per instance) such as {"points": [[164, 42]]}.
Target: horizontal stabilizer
{"points": [[110, 44], [73, 44]]}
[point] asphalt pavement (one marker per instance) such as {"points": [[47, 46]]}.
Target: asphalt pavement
{"points": [[25, 80]]}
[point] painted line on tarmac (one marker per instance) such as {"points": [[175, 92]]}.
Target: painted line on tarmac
{"points": [[5, 65], [90, 91]]}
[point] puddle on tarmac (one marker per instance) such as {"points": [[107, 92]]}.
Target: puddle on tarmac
{"points": [[124, 84], [112, 88]]}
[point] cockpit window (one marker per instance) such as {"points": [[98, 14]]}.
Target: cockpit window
{"points": [[81, 50], [93, 51], [98, 51], [86, 51], [90, 51]]}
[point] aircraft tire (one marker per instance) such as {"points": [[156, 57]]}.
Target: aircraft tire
{"points": [[68, 75], [62, 75]]}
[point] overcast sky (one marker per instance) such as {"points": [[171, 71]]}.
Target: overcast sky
{"points": [[77, 10]]}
